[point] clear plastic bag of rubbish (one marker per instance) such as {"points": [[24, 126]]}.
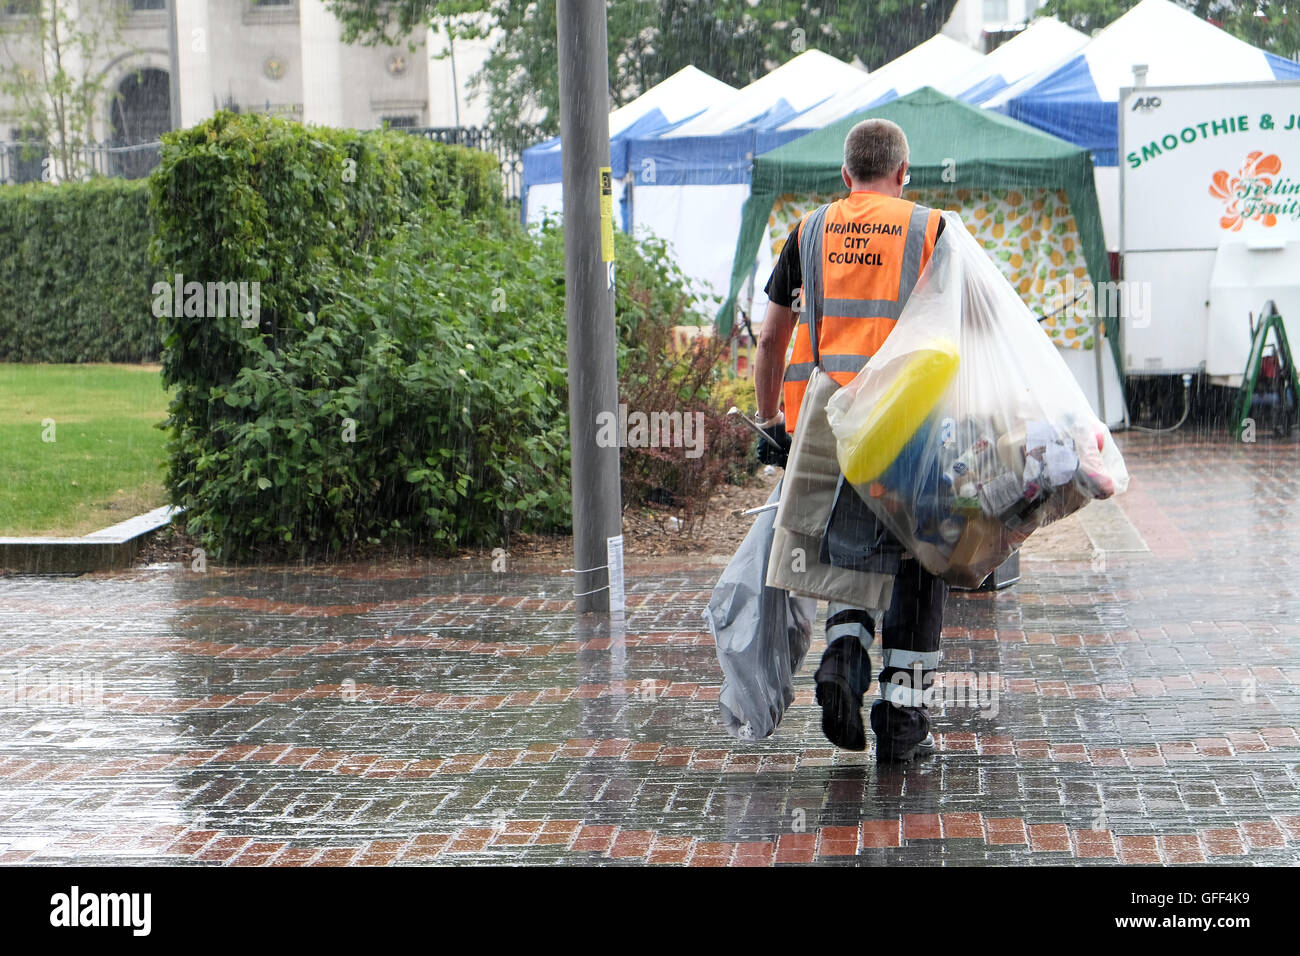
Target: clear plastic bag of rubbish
{"points": [[966, 431]]}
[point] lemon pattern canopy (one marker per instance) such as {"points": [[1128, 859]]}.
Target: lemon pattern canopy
{"points": [[1029, 233], [991, 169]]}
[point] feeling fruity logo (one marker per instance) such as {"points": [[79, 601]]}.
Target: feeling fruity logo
{"points": [[1258, 192]]}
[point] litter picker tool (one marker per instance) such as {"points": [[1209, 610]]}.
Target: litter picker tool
{"points": [[737, 413]]}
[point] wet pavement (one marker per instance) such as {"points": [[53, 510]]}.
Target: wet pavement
{"points": [[1146, 711]]}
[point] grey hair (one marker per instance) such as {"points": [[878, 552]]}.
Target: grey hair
{"points": [[874, 149]]}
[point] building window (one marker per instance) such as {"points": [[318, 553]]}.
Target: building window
{"points": [[18, 8], [397, 122], [995, 11], [23, 159], [271, 11], [144, 13]]}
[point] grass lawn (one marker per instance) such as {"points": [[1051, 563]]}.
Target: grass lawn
{"points": [[105, 464]]}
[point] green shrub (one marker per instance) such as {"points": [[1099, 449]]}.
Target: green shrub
{"points": [[657, 376], [426, 404], [74, 277], [406, 381], [286, 210], [245, 198]]}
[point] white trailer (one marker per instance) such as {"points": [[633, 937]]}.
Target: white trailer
{"points": [[1209, 222]]}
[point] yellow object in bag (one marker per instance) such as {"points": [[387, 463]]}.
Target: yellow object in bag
{"points": [[900, 411]]}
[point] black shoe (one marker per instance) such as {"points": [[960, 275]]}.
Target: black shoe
{"points": [[841, 715], [845, 667], [887, 754], [902, 733]]}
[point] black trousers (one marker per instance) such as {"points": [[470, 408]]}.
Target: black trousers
{"points": [[910, 633]]}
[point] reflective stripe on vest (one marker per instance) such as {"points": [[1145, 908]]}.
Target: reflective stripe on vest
{"points": [[865, 261]]}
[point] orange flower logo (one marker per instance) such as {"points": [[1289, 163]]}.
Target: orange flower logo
{"points": [[1241, 193]]}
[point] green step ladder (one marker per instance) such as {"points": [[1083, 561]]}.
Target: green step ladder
{"points": [[1270, 321]]}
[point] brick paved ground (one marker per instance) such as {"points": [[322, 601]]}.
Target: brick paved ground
{"points": [[1147, 712]]}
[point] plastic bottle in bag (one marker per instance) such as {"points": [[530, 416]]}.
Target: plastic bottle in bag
{"points": [[966, 431]]}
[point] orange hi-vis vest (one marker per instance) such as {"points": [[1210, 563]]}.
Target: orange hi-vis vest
{"points": [[860, 262]]}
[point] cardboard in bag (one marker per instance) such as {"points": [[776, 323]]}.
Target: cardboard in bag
{"points": [[812, 475], [812, 472], [983, 545]]}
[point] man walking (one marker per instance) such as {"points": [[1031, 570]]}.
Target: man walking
{"points": [[868, 251]]}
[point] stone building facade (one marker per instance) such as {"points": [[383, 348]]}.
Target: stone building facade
{"points": [[983, 24], [278, 56]]}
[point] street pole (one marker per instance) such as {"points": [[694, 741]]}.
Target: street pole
{"points": [[589, 301], [174, 64]]}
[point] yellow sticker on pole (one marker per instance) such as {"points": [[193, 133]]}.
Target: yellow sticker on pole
{"points": [[606, 214]]}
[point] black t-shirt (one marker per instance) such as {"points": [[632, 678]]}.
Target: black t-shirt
{"points": [[787, 274]]}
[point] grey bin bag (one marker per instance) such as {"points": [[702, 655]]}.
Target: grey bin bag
{"points": [[761, 634]]}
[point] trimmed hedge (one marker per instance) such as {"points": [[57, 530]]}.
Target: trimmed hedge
{"points": [[405, 381], [292, 209], [74, 277], [425, 405], [246, 198], [300, 211]]}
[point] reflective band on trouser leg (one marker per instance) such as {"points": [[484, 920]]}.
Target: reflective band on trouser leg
{"points": [[906, 660], [910, 635], [845, 620], [903, 694]]}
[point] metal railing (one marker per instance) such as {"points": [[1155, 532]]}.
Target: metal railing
{"points": [[26, 162], [506, 144]]}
